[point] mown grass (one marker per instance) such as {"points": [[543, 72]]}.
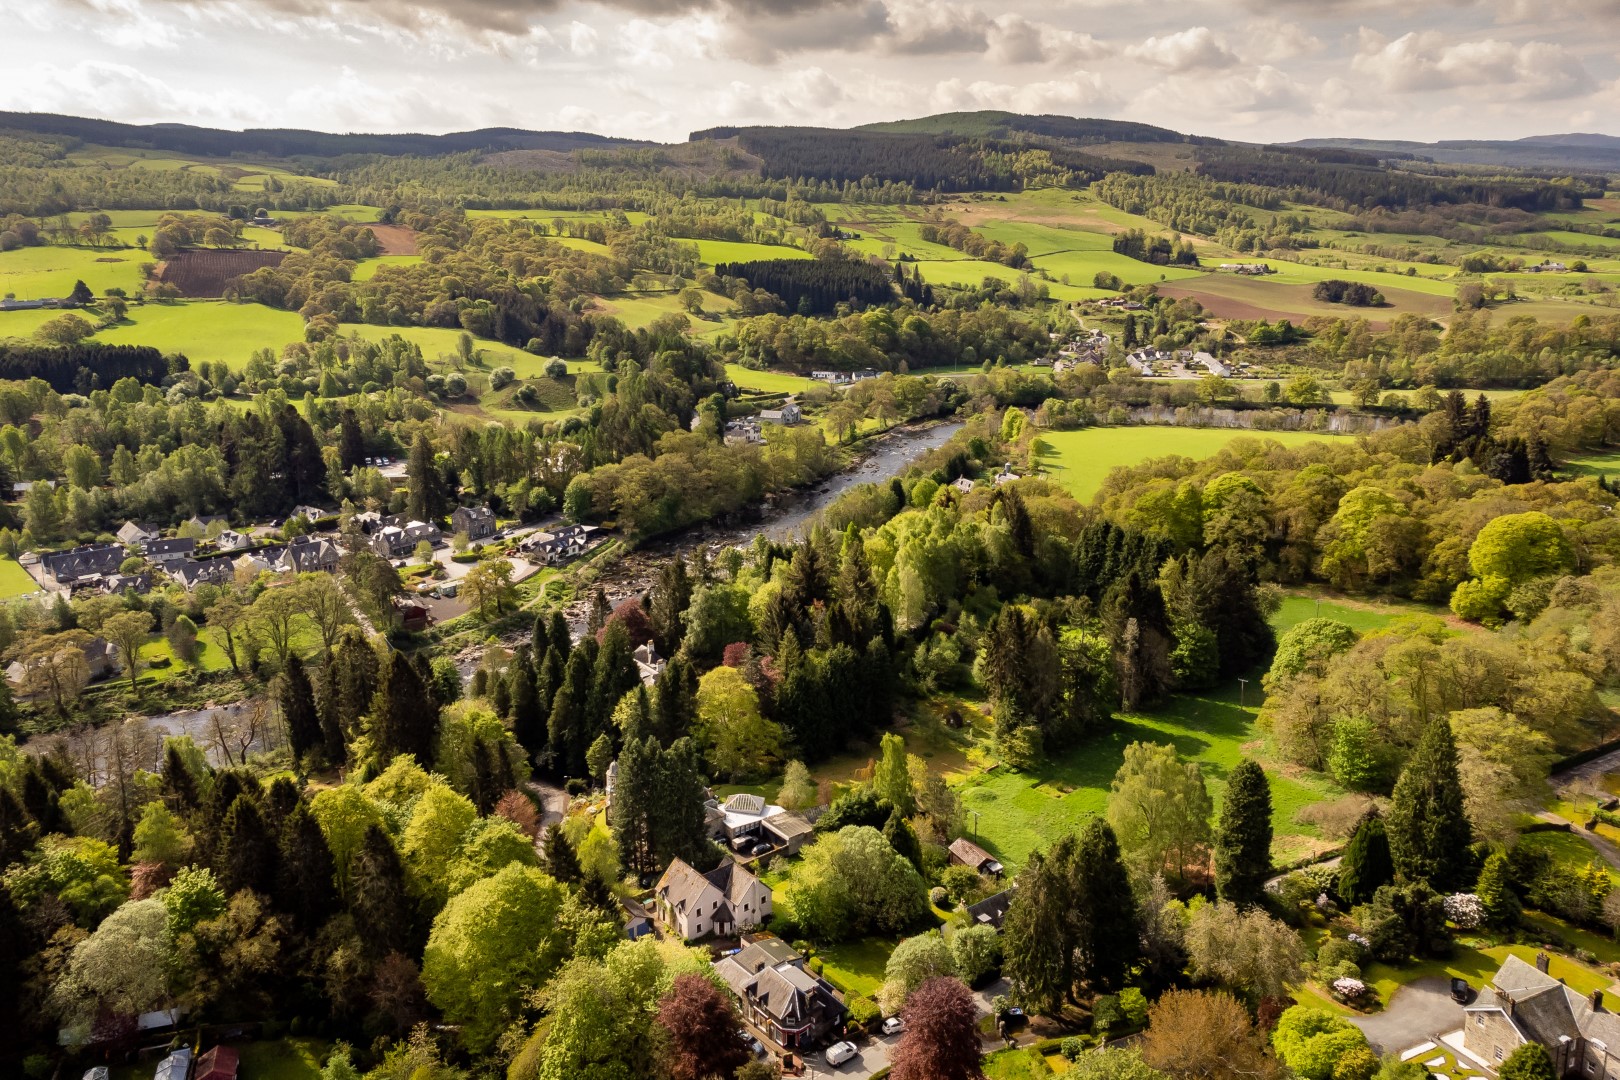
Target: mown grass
{"points": [[767, 382], [856, 967], [207, 329], [15, 580], [715, 252], [1362, 617], [367, 269], [1081, 460], [34, 273]]}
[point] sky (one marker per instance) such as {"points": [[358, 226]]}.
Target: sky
{"points": [[1259, 70]]}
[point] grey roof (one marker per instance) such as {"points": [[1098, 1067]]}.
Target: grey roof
{"points": [[992, 909], [764, 953], [193, 572], [787, 825], [183, 545], [743, 803], [86, 561], [1545, 1010]]}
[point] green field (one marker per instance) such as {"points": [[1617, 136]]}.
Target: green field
{"points": [[715, 252], [1593, 463], [769, 382], [367, 270], [207, 329], [34, 273], [637, 310], [14, 580], [1013, 813], [1362, 617], [1081, 460]]}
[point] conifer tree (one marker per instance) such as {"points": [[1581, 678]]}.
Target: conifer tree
{"points": [[247, 851], [427, 499], [296, 699], [901, 837], [305, 887], [674, 701], [1243, 836], [1366, 865], [378, 896], [179, 786], [1035, 937], [671, 596], [559, 635], [634, 804], [566, 728], [560, 859], [404, 720], [540, 636], [613, 676], [1495, 892], [598, 893], [1429, 833], [1106, 942]]}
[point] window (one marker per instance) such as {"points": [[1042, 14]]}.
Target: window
{"points": [[1479, 1019], [1496, 1052], [698, 929]]}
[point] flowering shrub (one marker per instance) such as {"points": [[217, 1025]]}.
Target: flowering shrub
{"points": [[1348, 989], [1359, 940], [1464, 910]]}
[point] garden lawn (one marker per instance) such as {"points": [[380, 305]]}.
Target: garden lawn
{"points": [[1363, 617], [1081, 460], [14, 580], [856, 967], [1024, 1063], [1013, 813]]}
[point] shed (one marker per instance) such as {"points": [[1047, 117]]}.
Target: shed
{"points": [[218, 1063]]}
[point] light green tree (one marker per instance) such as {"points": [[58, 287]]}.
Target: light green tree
{"points": [[736, 739], [160, 838], [121, 969], [798, 790], [489, 947], [913, 962], [433, 838], [1160, 811]]}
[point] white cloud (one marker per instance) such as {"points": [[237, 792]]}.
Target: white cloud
{"points": [[1075, 95], [581, 39], [1271, 40], [139, 97], [1430, 60], [1193, 49], [1013, 39]]}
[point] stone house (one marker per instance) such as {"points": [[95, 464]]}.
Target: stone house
{"points": [[1524, 1003], [694, 906], [793, 1007], [478, 522]]}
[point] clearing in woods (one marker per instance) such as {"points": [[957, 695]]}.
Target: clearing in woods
{"points": [[1081, 460], [395, 239]]}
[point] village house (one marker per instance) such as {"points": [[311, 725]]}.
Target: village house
{"points": [[836, 378], [1211, 365], [726, 899], [561, 544], [396, 537], [309, 513], [203, 522], [99, 657], [80, 563], [231, 540], [118, 584], [788, 415], [743, 432], [194, 572], [992, 910], [413, 617], [135, 533], [649, 665], [167, 551], [477, 522], [1526, 1004], [1250, 269], [308, 554], [1005, 476], [744, 817], [963, 484], [794, 1008], [964, 852]]}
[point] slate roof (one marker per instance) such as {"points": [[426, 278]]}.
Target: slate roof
{"points": [[87, 561], [180, 545], [1545, 1010]]}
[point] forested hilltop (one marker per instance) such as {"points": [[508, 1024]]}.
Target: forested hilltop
{"points": [[941, 596]]}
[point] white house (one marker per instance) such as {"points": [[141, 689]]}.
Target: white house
{"points": [[722, 902]]}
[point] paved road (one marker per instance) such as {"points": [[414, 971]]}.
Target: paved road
{"points": [[1419, 1012]]}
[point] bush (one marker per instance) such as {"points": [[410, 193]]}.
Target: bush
{"points": [[1072, 1047], [962, 884], [1106, 1015], [501, 377], [1464, 910], [863, 1010], [937, 896]]}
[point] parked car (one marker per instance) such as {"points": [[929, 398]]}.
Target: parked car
{"points": [[762, 848], [1012, 1016], [838, 1053], [1461, 992], [893, 1024]]}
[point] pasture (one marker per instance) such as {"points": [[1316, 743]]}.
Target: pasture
{"points": [[367, 269], [1081, 460], [767, 382], [715, 252], [207, 330], [35, 273], [15, 581]]}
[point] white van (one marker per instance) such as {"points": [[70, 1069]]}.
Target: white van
{"points": [[838, 1053]]}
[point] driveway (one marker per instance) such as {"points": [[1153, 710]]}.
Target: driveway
{"points": [[1419, 1012]]}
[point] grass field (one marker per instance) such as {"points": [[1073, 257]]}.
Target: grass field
{"points": [[367, 270], [34, 273], [715, 252], [637, 310], [856, 967], [769, 382], [1013, 813], [14, 580], [207, 330], [1363, 618], [1593, 463], [1080, 460]]}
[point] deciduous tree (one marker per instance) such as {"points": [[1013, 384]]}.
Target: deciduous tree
{"points": [[700, 1024], [941, 1040]]}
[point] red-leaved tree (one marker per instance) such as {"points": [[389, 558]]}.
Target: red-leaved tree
{"points": [[702, 1027], [942, 1036]]}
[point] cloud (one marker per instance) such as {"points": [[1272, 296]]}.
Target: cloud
{"points": [[1270, 40], [1197, 48], [1429, 60], [1013, 39], [141, 98], [1246, 98], [1077, 95]]}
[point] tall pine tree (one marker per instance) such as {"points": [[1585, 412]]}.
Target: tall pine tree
{"points": [[247, 850], [528, 722], [1366, 865], [404, 717], [1429, 833], [296, 699], [1243, 836], [305, 887], [378, 896], [1103, 917]]}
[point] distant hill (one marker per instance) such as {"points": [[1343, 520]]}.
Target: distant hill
{"points": [[1573, 152], [1002, 125], [292, 142]]}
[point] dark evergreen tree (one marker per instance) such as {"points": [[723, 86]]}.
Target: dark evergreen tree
{"points": [[901, 837], [548, 678], [485, 786], [349, 683], [39, 798], [378, 897], [595, 890], [671, 595], [404, 718], [303, 468], [305, 887], [16, 948], [1366, 865], [179, 786], [674, 704], [560, 860], [680, 826], [428, 500], [569, 722], [559, 635], [540, 636], [1243, 836], [247, 850], [1103, 917], [634, 805], [296, 699], [1430, 838], [279, 800], [18, 831], [1035, 934], [528, 722], [351, 441]]}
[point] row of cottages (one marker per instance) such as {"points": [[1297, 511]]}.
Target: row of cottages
{"points": [[560, 545], [845, 378], [727, 900], [1524, 1003], [477, 522], [794, 1007]]}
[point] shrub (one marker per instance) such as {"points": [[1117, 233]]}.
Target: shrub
{"points": [[937, 896], [863, 1010], [961, 883], [1464, 910], [1106, 1015], [1072, 1047], [501, 377]]}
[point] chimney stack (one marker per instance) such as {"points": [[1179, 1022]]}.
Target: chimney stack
{"points": [[1543, 961]]}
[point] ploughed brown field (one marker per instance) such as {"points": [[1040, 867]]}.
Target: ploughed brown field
{"points": [[395, 239], [203, 273]]}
